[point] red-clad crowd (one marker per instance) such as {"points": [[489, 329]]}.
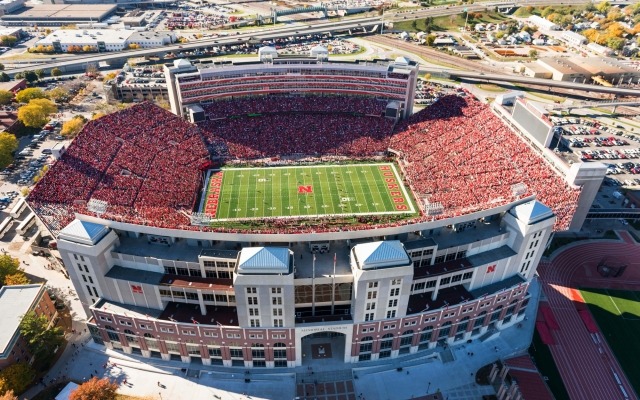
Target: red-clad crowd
{"points": [[283, 104], [307, 133], [144, 161], [459, 154]]}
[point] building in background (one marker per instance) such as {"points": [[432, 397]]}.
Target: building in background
{"points": [[15, 302]]}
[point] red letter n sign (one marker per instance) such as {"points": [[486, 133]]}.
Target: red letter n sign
{"points": [[491, 268], [305, 189]]}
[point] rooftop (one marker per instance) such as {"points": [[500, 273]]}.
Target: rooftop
{"points": [[181, 312], [87, 36], [97, 12], [15, 301], [450, 296]]}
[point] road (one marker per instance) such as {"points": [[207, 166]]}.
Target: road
{"points": [[323, 27]]}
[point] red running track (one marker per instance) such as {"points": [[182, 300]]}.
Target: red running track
{"points": [[587, 368]]}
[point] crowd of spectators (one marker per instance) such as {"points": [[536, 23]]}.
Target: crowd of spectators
{"points": [[459, 154], [145, 162], [285, 104]]}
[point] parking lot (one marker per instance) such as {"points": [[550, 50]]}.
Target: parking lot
{"points": [[592, 139], [33, 154]]}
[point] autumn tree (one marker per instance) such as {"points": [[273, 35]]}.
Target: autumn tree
{"points": [[58, 94], [47, 105], [8, 265], [603, 7], [39, 73], [95, 389], [5, 97], [25, 95], [32, 116], [18, 278], [41, 340], [4, 77], [72, 127], [8, 395], [8, 40], [56, 72], [8, 144], [16, 377]]}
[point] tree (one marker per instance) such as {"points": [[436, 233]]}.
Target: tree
{"points": [[32, 116], [5, 97], [30, 76], [603, 7], [92, 69], [41, 341], [8, 264], [72, 127], [26, 95], [17, 377], [8, 40], [95, 389], [17, 279], [615, 43], [8, 395], [4, 77], [47, 105], [39, 73], [56, 72], [109, 76], [58, 94], [8, 144], [1, 67], [430, 40], [533, 53]]}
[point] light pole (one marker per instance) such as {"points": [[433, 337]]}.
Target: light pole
{"points": [[429, 387], [382, 25]]}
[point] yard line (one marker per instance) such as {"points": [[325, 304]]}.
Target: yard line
{"points": [[381, 194], [364, 200]]}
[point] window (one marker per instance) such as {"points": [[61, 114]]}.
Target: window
{"points": [[278, 322], [371, 306], [391, 314], [207, 297], [276, 290], [393, 303], [279, 350], [418, 286], [369, 317], [215, 352], [106, 319], [236, 353], [277, 312], [373, 285], [467, 275], [84, 278], [431, 284], [144, 326], [75, 256], [166, 330], [210, 334], [445, 281], [189, 333], [395, 282], [221, 298], [254, 323], [95, 292], [252, 301], [372, 295], [251, 290], [276, 301], [254, 312], [125, 323], [164, 292], [191, 296], [456, 278], [394, 292]]}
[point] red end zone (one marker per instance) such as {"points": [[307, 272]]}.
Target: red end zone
{"points": [[213, 194]]}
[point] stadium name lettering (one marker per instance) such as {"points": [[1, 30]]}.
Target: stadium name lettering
{"points": [[344, 328]]}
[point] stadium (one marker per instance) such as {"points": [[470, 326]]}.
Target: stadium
{"points": [[302, 213]]}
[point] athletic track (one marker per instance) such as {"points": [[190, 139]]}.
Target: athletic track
{"points": [[586, 363]]}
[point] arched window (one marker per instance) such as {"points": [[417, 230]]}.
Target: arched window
{"points": [[128, 332], [131, 337], [495, 315], [425, 336], [111, 332], [406, 338], [387, 341], [257, 350], [148, 335], [463, 325], [366, 344], [480, 319], [280, 351], [445, 329]]}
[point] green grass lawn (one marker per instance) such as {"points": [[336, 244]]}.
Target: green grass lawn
{"points": [[617, 313], [307, 191], [547, 367], [449, 22]]}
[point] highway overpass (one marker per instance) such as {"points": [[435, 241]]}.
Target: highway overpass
{"points": [[80, 62], [456, 74]]}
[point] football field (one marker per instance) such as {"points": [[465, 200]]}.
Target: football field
{"points": [[306, 191]]}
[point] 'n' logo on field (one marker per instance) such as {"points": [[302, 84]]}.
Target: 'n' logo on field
{"points": [[305, 189]]}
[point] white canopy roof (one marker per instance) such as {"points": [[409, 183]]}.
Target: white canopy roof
{"points": [[83, 232], [264, 260], [390, 253], [532, 212]]}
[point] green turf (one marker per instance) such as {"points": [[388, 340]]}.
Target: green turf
{"points": [[308, 191], [617, 313]]}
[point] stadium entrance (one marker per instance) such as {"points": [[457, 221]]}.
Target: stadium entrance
{"points": [[323, 346]]}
